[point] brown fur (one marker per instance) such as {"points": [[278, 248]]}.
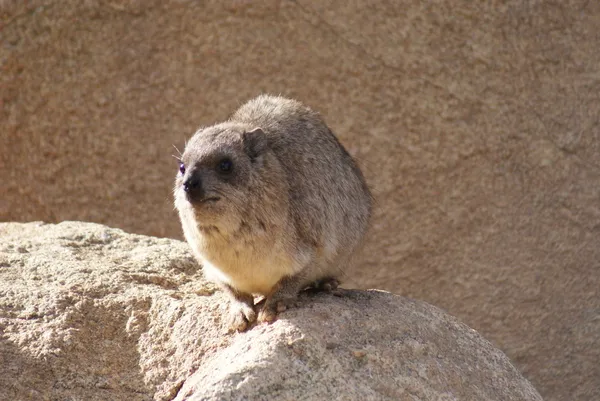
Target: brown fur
{"points": [[291, 212]]}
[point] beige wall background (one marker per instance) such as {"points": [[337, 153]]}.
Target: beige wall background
{"points": [[476, 124]]}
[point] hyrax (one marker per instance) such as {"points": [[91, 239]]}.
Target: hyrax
{"points": [[270, 203]]}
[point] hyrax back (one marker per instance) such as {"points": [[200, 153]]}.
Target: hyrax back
{"points": [[270, 203]]}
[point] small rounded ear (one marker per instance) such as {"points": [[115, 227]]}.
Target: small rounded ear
{"points": [[255, 142]]}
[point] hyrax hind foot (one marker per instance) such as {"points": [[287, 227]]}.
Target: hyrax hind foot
{"points": [[328, 284]]}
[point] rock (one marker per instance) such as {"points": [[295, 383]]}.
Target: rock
{"points": [[90, 312]]}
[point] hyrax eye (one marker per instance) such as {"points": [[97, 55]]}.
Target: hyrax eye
{"points": [[182, 168], [225, 165]]}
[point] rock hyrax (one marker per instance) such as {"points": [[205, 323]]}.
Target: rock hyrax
{"points": [[270, 203]]}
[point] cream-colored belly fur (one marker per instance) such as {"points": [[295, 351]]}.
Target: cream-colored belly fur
{"points": [[252, 266], [247, 273]]}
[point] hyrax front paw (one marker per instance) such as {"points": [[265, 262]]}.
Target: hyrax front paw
{"points": [[241, 316], [272, 307]]}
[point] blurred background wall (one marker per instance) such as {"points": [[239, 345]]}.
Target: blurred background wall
{"points": [[476, 124]]}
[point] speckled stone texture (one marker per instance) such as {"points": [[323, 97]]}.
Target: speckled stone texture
{"points": [[93, 313], [476, 124]]}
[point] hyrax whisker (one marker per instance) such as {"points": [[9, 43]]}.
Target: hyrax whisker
{"points": [[178, 151]]}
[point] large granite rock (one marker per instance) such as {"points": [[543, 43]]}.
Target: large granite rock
{"points": [[89, 312], [476, 124]]}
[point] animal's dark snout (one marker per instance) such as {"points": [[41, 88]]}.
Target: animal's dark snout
{"points": [[193, 187], [191, 183]]}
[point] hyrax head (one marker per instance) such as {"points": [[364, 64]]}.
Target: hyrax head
{"points": [[217, 171]]}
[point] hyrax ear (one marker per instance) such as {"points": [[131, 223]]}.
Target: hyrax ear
{"points": [[255, 143]]}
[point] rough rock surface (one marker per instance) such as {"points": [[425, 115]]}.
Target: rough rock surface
{"points": [[476, 124], [89, 312]]}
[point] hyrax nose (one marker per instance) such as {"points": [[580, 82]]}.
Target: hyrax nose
{"points": [[193, 187]]}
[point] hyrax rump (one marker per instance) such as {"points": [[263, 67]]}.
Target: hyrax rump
{"points": [[270, 203]]}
